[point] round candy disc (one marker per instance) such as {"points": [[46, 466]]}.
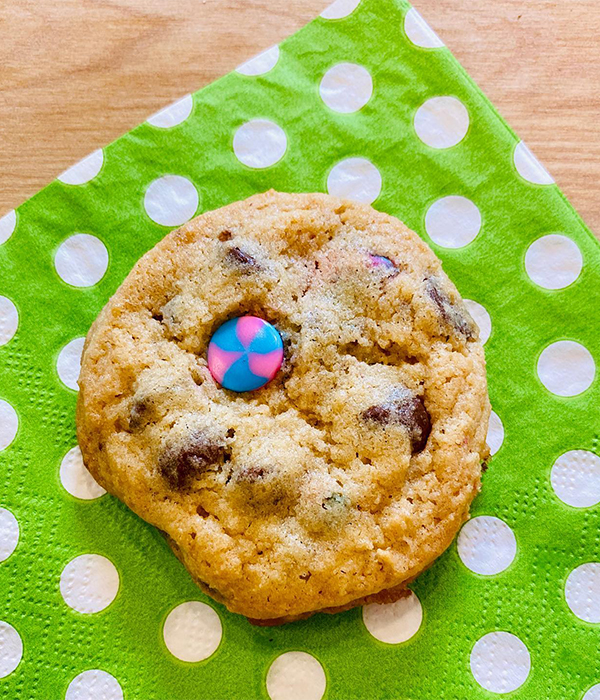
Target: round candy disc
{"points": [[245, 353]]}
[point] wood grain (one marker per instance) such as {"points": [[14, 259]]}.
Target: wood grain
{"points": [[76, 74]]}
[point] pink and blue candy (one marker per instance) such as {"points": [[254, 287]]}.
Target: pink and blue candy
{"points": [[245, 353], [382, 261]]}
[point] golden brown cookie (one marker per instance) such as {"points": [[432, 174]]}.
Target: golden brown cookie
{"points": [[347, 474]]}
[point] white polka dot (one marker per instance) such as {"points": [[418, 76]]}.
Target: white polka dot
{"points": [[261, 63], [94, 685], [89, 583], [582, 592], [81, 260], [575, 478], [566, 368], [500, 662], [495, 434], [76, 479], [9, 320], [481, 318], [355, 178], [192, 631], [296, 675], [453, 222], [259, 143], [68, 364], [9, 424], [171, 200], [486, 545], [529, 167], [442, 122], [11, 649], [340, 9], [593, 693], [8, 223], [394, 623], [174, 114], [9, 533], [84, 171], [553, 261], [346, 88], [419, 32]]}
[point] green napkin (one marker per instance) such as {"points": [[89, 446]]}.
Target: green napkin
{"points": [[364, 102]]}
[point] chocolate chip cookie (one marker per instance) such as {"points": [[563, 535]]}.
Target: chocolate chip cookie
{"points": [[346, 473]]}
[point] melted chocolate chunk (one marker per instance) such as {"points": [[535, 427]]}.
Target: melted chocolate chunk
{"points": [[180, 464], [407, 410], [242, 260], [449, 312]]}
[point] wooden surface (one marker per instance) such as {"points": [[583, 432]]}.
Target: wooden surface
{"points": [[76, 74]]}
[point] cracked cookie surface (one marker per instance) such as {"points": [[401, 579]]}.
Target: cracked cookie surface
{"points": [[346, 475]]}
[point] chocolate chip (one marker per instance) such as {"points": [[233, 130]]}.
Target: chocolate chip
{"points": [[414, 416], [251, 474], [407, 410], [140, 414], [180, 464], [439, 299], [225, 235], [230, 433], [449, 312], [242, 260], [377, 414], [202, 512], [305, 576]]}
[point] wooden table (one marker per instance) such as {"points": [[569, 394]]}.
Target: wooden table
{"points": [[76, 74]]}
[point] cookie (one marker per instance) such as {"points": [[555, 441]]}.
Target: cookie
{"points": [[345, 474]]}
